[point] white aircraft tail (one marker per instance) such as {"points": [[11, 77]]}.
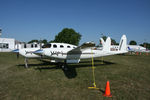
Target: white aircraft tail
{"points": [[107, 45], [102, 41], [123, 44]]}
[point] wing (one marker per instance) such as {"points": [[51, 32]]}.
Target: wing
{"points": [[81, 48]]}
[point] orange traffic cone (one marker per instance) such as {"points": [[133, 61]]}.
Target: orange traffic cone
{"points": [[107, 90]]}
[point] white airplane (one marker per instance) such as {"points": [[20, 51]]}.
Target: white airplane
{"points": [[67, 53], [130, 48], [137, 48]]}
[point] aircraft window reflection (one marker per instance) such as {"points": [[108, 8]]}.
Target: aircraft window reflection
{"points": [[54, 46], [46, 46], [61, 46]]}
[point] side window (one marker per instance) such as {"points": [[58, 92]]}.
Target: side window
{"points": [[54, 46], [4, 45], [31, 45], [35, 45], [68, 46], [46, 46], [49, 45], [7, 46], [61, 46]]}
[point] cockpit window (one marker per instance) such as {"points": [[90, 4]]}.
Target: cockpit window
{"points": [[54, 46], [46, 46], [61, 46]]}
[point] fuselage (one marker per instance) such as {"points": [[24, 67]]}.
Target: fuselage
{"points": [[62, 51]]}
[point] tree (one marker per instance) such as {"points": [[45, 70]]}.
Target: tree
{"points": [[32, 41], [146, 45], [38, 41], [104, 38], [68, 36], [113, 41], [44, 41], [132, 42]]}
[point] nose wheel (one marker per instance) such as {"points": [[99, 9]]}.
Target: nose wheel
{"points": [[64, 67], [26, 63]]}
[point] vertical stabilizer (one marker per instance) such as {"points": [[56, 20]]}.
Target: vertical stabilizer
{"points": [[102, 41], [107, 45], [123, 43]]}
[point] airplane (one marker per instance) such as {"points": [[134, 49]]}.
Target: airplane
{"points": [[130, 48], [137, 48], [68, 53]]}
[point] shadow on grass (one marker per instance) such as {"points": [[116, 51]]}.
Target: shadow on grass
{"points": [[70, 71]]}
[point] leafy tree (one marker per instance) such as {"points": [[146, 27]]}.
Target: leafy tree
{"points": [[38, 41], [44, 41], [113, 41], [68, 36], [146, 45], [132, 42], [104, 38], [32, 41]]}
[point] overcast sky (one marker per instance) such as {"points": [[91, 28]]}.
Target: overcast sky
{"points": [[25, 20]]}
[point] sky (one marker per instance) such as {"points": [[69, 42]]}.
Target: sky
{"points": [[25, 20]]}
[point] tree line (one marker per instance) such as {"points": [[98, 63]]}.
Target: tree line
{"points": [[69, 35]]}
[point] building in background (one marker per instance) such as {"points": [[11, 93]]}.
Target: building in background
{"points": [[9, 44]]}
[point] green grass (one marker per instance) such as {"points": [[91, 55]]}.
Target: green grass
{"points": [[129, 77]]}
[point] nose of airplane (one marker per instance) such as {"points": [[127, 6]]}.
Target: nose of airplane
{"points": [[16, 50]]}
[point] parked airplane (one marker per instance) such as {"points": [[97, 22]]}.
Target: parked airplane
{"points": [[131, 48], [67, 53], [137, 48]]}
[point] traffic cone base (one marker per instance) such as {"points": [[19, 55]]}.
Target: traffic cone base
{"points": [[107, 95]]}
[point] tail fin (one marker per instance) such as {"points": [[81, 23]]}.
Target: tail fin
{"points": [[102, 41], [123, 44], [107, 45]]}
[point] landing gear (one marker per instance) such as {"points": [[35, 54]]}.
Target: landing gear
{"points": [[26, 62], [63, 65]]}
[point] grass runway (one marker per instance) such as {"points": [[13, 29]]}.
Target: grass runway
{"points": [[129, 77]]}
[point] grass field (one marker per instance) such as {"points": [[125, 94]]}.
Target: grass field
{"points": [[129, 77]]}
